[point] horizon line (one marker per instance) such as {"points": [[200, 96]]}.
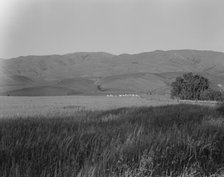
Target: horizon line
{"points": [[68, 53]]}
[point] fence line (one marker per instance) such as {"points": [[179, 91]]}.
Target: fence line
{"points": [[167, 99]]}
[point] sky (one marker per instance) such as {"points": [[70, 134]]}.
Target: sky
{"points": [[43, 27]]}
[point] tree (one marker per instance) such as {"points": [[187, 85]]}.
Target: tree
{"points": [[210, 94], [177, 87], [189, 86]]}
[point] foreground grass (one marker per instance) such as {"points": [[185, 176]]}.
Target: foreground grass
{"points": [[178, 140]]}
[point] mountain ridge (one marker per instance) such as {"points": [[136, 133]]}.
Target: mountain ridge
{"points": [[107, 73]]}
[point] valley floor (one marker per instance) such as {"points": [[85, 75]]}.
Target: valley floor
{"points": [[67, 105], [52, 106]]}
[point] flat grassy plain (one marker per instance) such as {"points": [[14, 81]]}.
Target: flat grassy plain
{"points": [[170, 141], [66, 106]]}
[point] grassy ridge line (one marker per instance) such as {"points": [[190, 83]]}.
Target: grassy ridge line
{"points": [[177, 140]]}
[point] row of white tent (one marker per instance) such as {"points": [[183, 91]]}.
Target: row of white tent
{"points": [[122, 95]]}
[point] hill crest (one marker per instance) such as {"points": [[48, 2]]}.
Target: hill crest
{"points": [[143, 72]]}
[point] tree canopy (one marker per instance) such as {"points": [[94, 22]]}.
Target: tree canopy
{"points": [[194, 87]]}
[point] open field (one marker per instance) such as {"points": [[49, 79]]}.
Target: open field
{"points": [[167, 141], [67, 105]]}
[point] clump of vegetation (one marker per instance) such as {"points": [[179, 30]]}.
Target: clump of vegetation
{"points": [[211, 94], [177, 140], [194, 87]]}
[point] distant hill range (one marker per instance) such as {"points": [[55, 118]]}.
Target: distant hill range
{"points": [[103, 73]]}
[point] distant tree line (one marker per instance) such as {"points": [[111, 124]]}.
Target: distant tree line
{"points": [[194, 87]]}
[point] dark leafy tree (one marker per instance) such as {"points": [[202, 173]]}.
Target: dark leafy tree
{"points": [[211, 94], [177, 87], [189, 86]]}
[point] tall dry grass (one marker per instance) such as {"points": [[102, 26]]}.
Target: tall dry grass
{"points": [[178, 140]]}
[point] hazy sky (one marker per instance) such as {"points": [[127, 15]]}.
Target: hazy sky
{"points": [[117, 26]]}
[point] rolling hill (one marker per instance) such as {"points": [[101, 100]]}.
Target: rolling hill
{"points": [[101, 73]]}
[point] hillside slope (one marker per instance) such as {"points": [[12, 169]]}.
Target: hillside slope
{"points": [[96, 73]]}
